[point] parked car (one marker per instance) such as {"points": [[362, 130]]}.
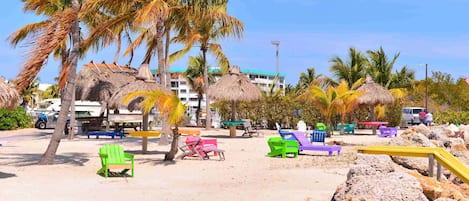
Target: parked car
{"points": [[49, 120], [410, 115]]}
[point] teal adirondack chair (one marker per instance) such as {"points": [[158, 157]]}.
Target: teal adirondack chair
{"points": [[113, 157], [281, 147]]}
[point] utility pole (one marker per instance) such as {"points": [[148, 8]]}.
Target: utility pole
{"points": [[426, 87], [276, 43]]}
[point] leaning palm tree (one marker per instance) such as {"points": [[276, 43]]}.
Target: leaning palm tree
{"points": [[169, 104], [59, 24], [205, 30], [195, 77]]}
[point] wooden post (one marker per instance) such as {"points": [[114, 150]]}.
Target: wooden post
{"points": [[438, 171], [144, 144], [431, 163], [232, 131]]}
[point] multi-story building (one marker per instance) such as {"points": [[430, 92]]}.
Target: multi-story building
{"points": [[179, 84]]}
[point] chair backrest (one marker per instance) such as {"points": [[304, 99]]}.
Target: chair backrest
{"points": [[286, 135], [300, 137], [318, 136], [114, 152], [301, 126], [278, 126], [321, 126]]}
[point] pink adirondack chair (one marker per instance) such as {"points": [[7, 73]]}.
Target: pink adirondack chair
{"points": [[205, 146]]}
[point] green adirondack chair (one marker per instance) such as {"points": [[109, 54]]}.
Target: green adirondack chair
{"points": [[281, 147], [321, 126], [113, 157]]}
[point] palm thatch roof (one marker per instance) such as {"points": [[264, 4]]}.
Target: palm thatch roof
{"points": [[97, 82], [374, 93], [9, 97], [144, 82], [234, 86]]}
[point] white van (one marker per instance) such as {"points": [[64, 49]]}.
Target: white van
{"points": [[410, 115]]}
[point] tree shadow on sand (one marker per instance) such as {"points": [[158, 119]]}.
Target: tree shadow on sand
{"points": [[76, 159], [4, 175]]}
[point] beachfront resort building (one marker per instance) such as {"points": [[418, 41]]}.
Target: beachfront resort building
{"points": [[179, 84]]}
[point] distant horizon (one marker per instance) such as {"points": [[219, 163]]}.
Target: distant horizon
{"points": [[310, 32]]}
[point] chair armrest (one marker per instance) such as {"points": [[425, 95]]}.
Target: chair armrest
{"points": [[103, 155], [126, 155], [291, 143]]}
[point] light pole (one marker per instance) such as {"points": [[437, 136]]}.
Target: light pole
{"points": [[426, 87], [276, 43]]}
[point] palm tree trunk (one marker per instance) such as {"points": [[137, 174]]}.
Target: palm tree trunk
{"points": [[174, 146], [208, 123], [161, 61], [49, 155], [197, 112], [233, 110]]}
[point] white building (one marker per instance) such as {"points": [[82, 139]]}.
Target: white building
{"points": [[179, 84]]}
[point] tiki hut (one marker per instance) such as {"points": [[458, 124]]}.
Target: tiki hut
{"points": [[9, 97], [234, 87], [97, 82], [374, 94]]}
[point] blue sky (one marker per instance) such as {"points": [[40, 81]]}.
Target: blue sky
{"points": [[310, 32]]}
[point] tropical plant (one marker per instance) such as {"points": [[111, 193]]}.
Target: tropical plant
{"points": [[380, 67], [195, 77], [166, 103], [29, 94], [61, 21], [17, 118], [347, 99], [205, 30], [350, 70]]}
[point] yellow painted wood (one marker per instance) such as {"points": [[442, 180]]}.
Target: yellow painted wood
{"points": [[145, 133]]}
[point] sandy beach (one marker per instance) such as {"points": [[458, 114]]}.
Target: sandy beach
{"points": [[246, 174]]}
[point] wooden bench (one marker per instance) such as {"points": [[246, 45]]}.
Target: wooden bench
{"points": [[105, 133]]}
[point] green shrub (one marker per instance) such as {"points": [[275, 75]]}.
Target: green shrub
{"points": [[457, 118], [10, 120]]}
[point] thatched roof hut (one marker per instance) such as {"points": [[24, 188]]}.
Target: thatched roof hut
{"points": [[143, 82], [374, 94], [97, 82], [9, 97], [234, 86]]}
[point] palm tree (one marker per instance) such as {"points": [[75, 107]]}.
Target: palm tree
{"points": [[195, 76], [61, 22], [307, 78], [380, 67], [169, 104], [347, 101], [205, 30], [29, 94], [351, 70]]}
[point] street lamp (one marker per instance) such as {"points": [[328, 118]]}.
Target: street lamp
{"points": [[276, 43]]}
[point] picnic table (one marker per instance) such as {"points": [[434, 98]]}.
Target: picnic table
{"points": [[373, 124], [232, 125], [144, 135]]}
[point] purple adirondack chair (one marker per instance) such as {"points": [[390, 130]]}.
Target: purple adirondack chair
{"points": [[304, 144], [387, 131]]}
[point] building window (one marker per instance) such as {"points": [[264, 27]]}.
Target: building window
{"points": [[175, 91], [183, 99], [183, 91], [263, 77], [182, 83], [174, 84], [193, 99]]}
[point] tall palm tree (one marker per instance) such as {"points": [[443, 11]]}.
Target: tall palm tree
{"points": [[195, 77], [61, 21], [380, 67], [169, 104], [205, 30], [350, 70]]}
